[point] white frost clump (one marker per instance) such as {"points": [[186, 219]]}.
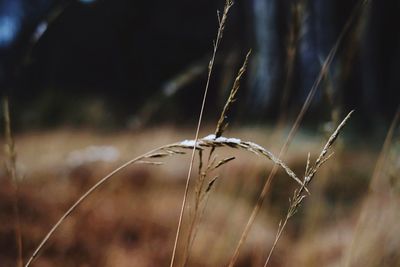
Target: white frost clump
{"points": [[92, 154], [221, 139], [187, 143], [234, 140], [210, 137], [228, 140]]}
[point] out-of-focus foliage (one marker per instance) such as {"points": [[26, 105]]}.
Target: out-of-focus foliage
{"points": [[62, 60]]}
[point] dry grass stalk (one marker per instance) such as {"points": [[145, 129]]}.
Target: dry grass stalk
{"points": [[383, 157], [222, 22], [299, 195], [200, 197], [11, 167], [165, 151], [222, 123], [161, 152], [201, 192], [375, 187], [211, 141], [324, 70], [178, 148]]}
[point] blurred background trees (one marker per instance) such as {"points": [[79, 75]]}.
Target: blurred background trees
{"points": [[128, 63]]}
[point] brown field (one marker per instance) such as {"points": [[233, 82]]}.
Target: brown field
{"points": [[132, 219]]}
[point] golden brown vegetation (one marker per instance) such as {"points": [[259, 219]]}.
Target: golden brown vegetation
{"points": [[132, 220]]}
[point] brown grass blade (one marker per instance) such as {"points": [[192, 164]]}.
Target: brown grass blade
{"points": [[293, 131], [11, 166], [222, 21]]}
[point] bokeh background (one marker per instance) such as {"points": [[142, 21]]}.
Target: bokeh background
{"points": [[94, 83]]}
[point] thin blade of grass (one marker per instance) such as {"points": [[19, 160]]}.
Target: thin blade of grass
{"points": [[222, 21], [374, 187], [293, 131], [11, 166]]}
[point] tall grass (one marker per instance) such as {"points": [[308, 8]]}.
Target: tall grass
{"points": [[201, 192], [379, 186], [210, 163], [222, 22], [11, 167], [299, 194], [293, 131]]}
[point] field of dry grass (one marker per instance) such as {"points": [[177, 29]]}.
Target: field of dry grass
{"points": [[131, 220], [315, 212]]}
